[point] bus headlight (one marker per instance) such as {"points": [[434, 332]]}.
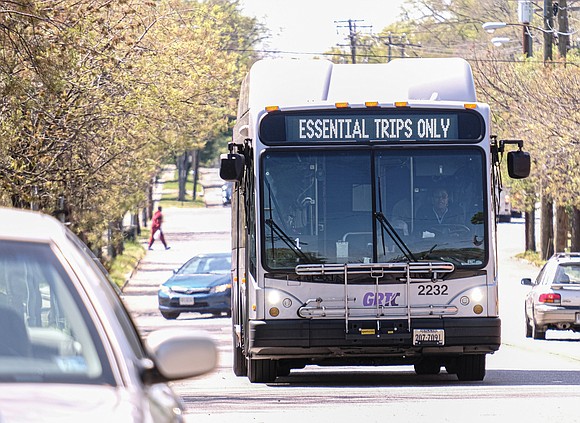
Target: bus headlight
{"points": [[476, 295]]}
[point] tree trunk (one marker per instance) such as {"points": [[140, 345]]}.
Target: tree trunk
{"points": [[195, 173], [150, 201], [562, 224], [530, 227], [547, 222], [575, 244], [183, 167]]}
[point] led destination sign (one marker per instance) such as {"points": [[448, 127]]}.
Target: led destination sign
{"points": [[435, 126], [410, 127]]}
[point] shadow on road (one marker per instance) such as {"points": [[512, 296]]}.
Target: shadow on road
{"points": [[410, 379]]}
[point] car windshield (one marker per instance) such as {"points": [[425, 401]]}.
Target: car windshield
{"points": [[219, 264], [373, 205], [47, 334], [568, 274]]}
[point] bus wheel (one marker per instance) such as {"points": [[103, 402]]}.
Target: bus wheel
{"points": [[471, 367], [262, 371], [428, 366], [240, 363]]}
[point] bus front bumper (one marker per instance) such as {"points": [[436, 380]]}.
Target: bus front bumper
{"points": [[312, 338]]}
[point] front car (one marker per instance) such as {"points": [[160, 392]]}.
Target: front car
{"points": [[68, 347], [345, 260]]}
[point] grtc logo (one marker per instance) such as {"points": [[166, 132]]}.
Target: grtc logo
{"points": [[387, 299]]}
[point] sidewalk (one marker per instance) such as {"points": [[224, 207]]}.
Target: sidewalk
{"points": [[188, 231]]}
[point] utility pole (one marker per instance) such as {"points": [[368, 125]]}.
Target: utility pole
{"points": [[352, 36], [563, 37], [525, 14], [548, 30], [400, 41]]}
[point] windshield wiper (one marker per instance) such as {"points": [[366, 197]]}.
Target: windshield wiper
{"points": [[286, 240], [386, 226]]}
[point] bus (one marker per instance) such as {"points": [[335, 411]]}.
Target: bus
{"points": [[341, 253]]}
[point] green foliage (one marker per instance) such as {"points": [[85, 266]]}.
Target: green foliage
{"points": [[96, 95], [122, 266]]}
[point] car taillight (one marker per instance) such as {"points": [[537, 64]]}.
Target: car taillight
{"points": [[550, 298]]}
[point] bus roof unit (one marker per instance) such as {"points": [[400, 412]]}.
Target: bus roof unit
{"points": [[286, 82]]}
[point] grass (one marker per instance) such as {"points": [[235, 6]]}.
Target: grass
{"points": [[171, 190], [533, 257], [122, 265]]}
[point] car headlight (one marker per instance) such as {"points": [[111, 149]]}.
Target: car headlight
{"points": [[221, 288], [164, 289]]}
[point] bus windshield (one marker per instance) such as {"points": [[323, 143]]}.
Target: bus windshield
{"points": [[373, 205]]}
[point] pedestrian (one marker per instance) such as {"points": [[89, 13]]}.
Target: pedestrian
{"points": [[156, 222]]}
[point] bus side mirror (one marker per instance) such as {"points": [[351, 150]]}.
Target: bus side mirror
{"points": [[232, 167], [518, 164]]}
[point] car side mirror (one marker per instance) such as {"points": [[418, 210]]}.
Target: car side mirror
{"points": [[527, 282], [179, 354]]}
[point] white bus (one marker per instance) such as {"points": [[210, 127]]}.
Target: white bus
{"points": [[363, 218]]}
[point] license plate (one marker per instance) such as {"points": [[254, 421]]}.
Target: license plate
{"points": [[429, 337], [186, 301]]}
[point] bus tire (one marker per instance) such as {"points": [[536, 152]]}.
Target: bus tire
{"points": [[262, 371], [427, 366], [240, 365], [471, 367]]}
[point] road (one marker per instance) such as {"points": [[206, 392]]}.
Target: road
{"points": [[527, 380]]}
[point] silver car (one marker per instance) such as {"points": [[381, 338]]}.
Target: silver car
{"points": [[68, 347], [554, 300]]}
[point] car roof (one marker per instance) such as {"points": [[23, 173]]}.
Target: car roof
{"points": [[562, 258], [26, 225]]}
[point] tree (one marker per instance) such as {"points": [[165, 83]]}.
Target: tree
{"points": [[96, 94]]}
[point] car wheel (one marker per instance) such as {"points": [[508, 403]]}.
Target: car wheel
{"points": [[528, 326], [537, 333], [471, 367], [170, 315]]}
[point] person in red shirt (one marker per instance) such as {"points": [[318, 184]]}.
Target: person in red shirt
{"points": [[156, 222]]}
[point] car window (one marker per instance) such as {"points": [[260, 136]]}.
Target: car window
{"points": [[541, 276], [129, 330], [567, 274], [207, 264], [47, 334]]}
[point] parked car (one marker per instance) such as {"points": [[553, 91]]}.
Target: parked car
{"points": [[68, 346], [202, 285], [227, 193], [554, 300]]}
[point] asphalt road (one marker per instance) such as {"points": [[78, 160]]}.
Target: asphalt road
{"points": [[527, 380]]}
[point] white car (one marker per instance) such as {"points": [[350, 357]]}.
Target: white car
{"points": [[554, 300], [68, 347]]}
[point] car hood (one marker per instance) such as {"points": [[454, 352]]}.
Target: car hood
{"points": [[197, 281], [67, 403]]}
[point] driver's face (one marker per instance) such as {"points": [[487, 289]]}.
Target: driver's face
{"points": [[440, 199]]}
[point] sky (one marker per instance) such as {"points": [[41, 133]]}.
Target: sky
{"points": [[315, 26]]}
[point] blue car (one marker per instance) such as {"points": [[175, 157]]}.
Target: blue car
{"points": [[202, 285]]}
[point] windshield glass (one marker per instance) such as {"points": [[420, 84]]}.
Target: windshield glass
{"points": [[207, 264], [373, 205]]}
